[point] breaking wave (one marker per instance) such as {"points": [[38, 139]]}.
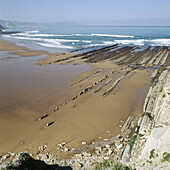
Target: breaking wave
{"points": [[55, 45], [110, 35]]}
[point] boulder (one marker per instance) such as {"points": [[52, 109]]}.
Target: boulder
{"points": [[24, 161]]}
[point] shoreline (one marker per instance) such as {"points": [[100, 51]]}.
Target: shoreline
{"points": [[87, 113]]}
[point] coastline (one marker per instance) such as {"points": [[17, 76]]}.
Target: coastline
{"points": [[91, 115]]}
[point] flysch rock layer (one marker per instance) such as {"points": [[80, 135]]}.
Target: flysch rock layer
{"points": [[152, 147]]}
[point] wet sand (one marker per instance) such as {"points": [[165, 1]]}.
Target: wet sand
{"points": [[85, 118]]}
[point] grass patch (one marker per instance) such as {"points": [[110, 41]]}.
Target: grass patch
{"points": [[148, 115], [150, 162], [112, 165], [166, 156], [137, 129], [156, 77], [164, 96], [147, 103], [152, 154], [133, 139], [132, 142]]}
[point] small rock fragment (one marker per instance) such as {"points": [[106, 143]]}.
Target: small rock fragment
{"points": [[105, 139], [87, 154], [41, 148], [84, 143], [120, 146], [43, 117], [78, 156], [49, 124], [107, 146], [80, 165], [110, 152], [62, 144]]}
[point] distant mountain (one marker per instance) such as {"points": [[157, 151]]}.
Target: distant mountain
{"points": [[6, 23], [17, 24], [29, 24], [1, 27], [65, 23]]}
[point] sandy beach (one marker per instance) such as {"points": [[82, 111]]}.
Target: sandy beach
{"points": [[77, 118]]}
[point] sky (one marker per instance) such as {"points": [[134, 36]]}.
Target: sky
{"points": [[88, 12]]}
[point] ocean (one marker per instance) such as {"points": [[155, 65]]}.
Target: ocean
{"points": [[72, 38]]}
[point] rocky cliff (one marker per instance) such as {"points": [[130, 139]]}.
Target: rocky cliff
{"points": [[149, 147]]}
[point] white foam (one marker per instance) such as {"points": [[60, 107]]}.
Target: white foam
{"points": [[27, 38], [8, 36], [25, 34], [109, 42], [46, 35], [46, 40], [55, 45], [135, 42], [60, 40], [110, 35], [86, 41], [94, 45], [79, 34], [35, 31], [159, 42]]}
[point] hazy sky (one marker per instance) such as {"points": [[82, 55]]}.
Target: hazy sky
{"points": [[93, 12]]}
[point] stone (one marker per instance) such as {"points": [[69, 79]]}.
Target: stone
{"points": [[110, 152], [119, 136], [105, 139], [119, 146], [6, 156], [41, 148], [81, 93], [44, 156], [80, 165], [66, 149], [78, 156], [97, 152], [107, 146], [43, 117], [49, 124], [99, 148], [57, 108], [24, 161], [74, 97], [11, 153], [62, 144], [84, 143], [87, 154]]}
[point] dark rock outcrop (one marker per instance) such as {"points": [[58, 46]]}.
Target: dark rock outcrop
{"points": [[24, 162]]}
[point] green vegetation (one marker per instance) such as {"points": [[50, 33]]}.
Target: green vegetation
{"points": [[164, 96], [132, 142], [133, 139], [148, 115], [166, 156], [147, 103], [137, 129], [152, 154], [112, 165], [156, 77], [150, 162]]}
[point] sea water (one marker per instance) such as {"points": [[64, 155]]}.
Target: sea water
{"points": [[71, 38]]}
